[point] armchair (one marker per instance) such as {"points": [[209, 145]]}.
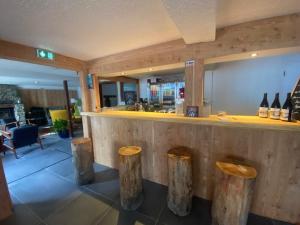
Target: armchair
{"points": [[21, 136]]}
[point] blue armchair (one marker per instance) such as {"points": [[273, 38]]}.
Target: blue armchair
{"points": [[18, 137]]}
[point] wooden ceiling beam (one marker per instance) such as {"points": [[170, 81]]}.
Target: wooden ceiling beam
{"points": [[265, 34], [18, 52]]}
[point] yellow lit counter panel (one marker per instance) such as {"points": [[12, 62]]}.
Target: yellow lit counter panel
{"points": [[229, 120]]}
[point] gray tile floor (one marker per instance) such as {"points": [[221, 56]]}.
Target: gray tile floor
{"points": [[43, 192]]}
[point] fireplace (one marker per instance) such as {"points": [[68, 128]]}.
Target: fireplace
{"points": [[7, 112]]}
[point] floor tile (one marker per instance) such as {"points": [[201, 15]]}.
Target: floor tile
{"points": [[22, 215], [106, 183], [32, 163], [118, 216], [43, 192], [258, 220], [200, 215], [64, 168], [276, 222], [155, 199], [82, 210]]}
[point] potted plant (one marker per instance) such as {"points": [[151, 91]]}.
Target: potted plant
{"points": [[61, 128]]}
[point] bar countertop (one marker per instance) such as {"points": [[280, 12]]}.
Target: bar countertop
{"points": [[228, 120]]}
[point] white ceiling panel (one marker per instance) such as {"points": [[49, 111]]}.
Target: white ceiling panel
{"points": [[88, 29], [196, 20]]}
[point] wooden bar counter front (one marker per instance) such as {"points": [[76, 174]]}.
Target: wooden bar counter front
{"points": [[273, 148]]}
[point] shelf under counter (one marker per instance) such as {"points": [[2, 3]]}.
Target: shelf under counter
{"points": [[228, 120]]}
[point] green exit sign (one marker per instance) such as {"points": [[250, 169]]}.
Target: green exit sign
{"points": [[44, 54]]}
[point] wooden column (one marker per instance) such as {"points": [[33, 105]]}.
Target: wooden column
{"points": [[5, 201], [85, 94], [96, 94], [194, 77], [130, 172], [68, 107], [234, 185]]}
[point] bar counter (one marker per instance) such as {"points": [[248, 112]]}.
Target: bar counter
{"points": [[272, 147]]}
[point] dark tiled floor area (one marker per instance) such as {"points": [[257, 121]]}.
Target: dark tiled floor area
{"points": [[43, 192]]}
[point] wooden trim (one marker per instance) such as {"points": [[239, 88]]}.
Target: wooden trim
{"points": [[96, 93], [85, 93], [14, 51], [120, 79]]}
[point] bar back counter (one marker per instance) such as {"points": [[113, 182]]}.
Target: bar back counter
{"points": [[272, 147]]}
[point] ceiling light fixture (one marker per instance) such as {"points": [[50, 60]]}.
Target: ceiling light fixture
{"points": [[254, 54], [150, 69]]}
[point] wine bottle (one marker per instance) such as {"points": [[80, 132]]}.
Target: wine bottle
{"points": [[264, 107], [275, 108], [287, 108]]}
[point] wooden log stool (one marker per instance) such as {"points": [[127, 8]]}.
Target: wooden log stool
{"points": [[234, 186], [83, 160], [130, 172], [180, 191]]}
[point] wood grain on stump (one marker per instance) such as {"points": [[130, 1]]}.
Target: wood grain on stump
{"points": [[130, 170], [234, 185], [83, 160], [180, 181], [5, 201]]}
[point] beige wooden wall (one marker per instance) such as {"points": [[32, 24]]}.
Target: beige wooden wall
{"points": [[44, 97]]}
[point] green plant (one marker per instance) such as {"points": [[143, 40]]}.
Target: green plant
{"points": [[60, 125]]}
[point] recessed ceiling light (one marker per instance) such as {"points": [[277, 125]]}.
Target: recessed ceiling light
{"points": [[123, 73], [150, 69], [254, 54]]}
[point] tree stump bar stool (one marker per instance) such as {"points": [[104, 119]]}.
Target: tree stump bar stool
{"points": [[233, 193], [180, 181], [130, 172], [83, 160]]}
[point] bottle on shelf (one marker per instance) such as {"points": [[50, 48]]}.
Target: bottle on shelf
{"points": [[287, 108], [264, 107], [275, 108]]}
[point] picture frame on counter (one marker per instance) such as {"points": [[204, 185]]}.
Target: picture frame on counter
{"points": [[192, 111]]}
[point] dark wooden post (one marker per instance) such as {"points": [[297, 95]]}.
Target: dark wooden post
{"points": [[68, 107], [5, 201]]}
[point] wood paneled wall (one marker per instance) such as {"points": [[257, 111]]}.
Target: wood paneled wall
{"points": [[44, 97], [275, 154]]}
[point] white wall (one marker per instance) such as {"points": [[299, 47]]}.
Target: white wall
{"points": [[238, 87]]}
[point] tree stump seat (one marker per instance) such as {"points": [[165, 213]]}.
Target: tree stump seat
{"points": [[180, 181], [130, 172], [234, 185], [83, 160]]}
